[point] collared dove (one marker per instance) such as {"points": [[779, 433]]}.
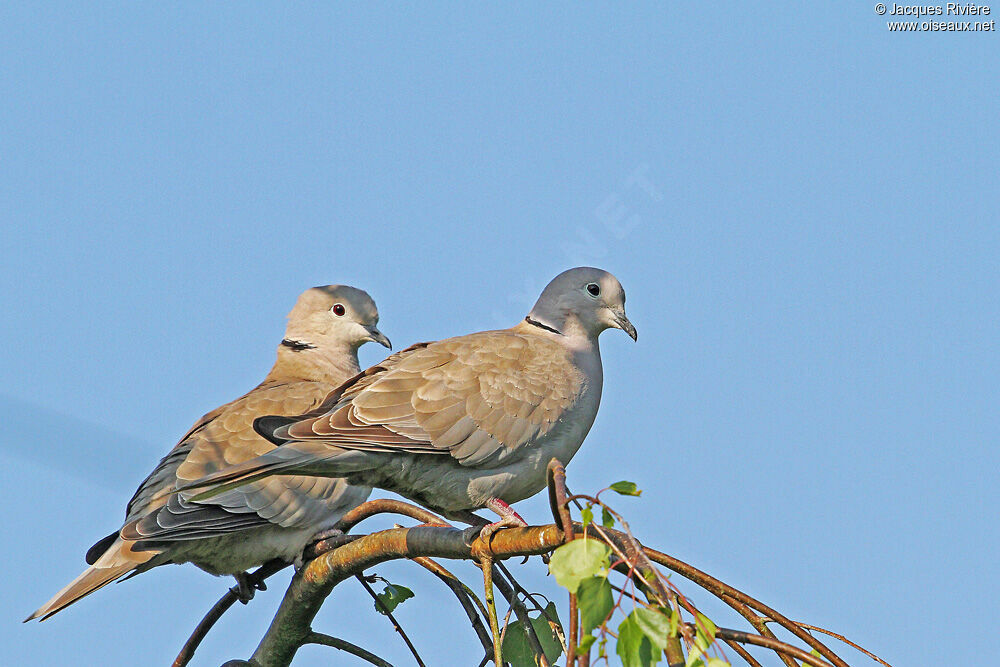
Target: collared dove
{"points": [[274, 518], [462, 423]]}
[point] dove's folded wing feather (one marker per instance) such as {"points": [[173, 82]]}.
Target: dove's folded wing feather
{"points": [[479, 398], [223, 438]]}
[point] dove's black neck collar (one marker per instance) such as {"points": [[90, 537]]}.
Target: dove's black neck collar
{"points": [[297, 345], [538, 324]]}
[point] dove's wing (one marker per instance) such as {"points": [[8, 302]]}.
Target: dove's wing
{"points": [[480, 398], [221, 439]]}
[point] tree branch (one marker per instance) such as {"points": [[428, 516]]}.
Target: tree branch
{"points": [[464, 598], [775, 645], [314, 582], [327, 640], [333, 560], [395, 624], [729, 594]]}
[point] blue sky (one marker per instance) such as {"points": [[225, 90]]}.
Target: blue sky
{"points": [[802, 208]]}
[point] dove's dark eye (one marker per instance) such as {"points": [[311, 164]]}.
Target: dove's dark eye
{"points": [[594, 289], [338, 310]]}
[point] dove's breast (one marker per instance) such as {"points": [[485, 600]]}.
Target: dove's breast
{"points": [[526, 476]]}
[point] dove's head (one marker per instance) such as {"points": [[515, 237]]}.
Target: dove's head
{"points": [[334, 316], [582, 300]]}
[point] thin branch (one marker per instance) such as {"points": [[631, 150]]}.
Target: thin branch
{"points": [[487, 565], [343, 645], [510, 592], [464, 598], [255, 579], [757, 622], [727, 593], [743, 653], [399, 628], [556, 477], [767, 642], [837, 636], [213, 615], [387, 506]]}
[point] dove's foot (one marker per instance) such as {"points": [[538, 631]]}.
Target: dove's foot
{"points": [[508, 519], [246, 587], [327, 534]]}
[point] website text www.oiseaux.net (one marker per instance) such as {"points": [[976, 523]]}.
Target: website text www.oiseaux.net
{"points": [[928, 14]]}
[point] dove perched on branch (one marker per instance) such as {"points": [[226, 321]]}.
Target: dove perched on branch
{"points": [[461, 423], [273, 518]]}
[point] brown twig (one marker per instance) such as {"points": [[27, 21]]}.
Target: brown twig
{"points": [[210, 619], [395, 624], [757, 622], [353, 649], [637, 554], [742, 652], [387, 506], [255, 579], [487, 566], [729, 594], [464, 598], [775, 645], [837, 636], [556, 477], [510, 593]]}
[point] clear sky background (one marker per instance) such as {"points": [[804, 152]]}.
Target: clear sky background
{"points": [[801, 205]]}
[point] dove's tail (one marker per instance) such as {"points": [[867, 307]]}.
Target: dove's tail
{"points": [[115, 563]]}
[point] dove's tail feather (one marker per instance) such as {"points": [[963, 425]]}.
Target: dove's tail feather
{"points": [[116, 562]]}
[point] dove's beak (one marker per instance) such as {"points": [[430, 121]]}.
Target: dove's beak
{"points": [[376, 336], [622, 323]]}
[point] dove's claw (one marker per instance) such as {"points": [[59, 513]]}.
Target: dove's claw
{"points": [[508, 519], [244, 589], [326, 534]]}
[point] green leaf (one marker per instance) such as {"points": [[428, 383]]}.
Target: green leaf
{"points": [[391, 597], [586, 642], [634, 647], [626, 488], [654, 624], [674, 620], [704, 637], [516, 649], [587, 516], [717, 662], [577, 560], [595, 600], [607, 518], [706, 628]]}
